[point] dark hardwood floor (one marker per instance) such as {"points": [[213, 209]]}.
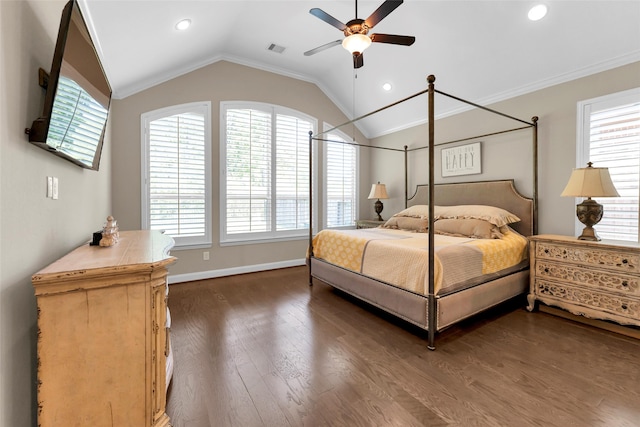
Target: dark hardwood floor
{"points": [[265, 349]]}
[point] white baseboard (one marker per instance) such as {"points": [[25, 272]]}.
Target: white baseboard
{"points": [[211, 274]]}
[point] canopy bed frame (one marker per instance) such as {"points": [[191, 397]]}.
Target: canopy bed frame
{"points": [[433, 312]]}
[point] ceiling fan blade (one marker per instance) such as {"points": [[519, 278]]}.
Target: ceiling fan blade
{"points": [[319, 13], [358, 61], [393, 39], [385, 8], [323, 47]]}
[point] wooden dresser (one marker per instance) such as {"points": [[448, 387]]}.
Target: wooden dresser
{"points": [[102, 336], [598, 280]]}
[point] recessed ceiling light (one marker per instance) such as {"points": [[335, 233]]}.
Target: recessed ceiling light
{"points": [[387, 86], [537, 12], [183, 24]]}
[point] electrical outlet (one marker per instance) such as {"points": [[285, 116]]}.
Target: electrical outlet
{"points": [[205, 255]]}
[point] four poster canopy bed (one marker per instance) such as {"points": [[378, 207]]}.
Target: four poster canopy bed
{"points": [[455, 251]]}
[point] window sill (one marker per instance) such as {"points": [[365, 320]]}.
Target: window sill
{"points": [[240, 242]]}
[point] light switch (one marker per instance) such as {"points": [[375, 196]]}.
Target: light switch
{"points": [[49, 186], [54, 193]]}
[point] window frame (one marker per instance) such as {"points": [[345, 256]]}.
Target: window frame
{"points": [[272, 235], [201, 107], [325, 164], [583, 139]]}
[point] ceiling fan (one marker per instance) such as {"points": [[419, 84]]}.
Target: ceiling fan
{"points": [[356, 31]]}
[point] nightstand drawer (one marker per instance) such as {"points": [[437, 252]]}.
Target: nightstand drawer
{"points": [[624, 284], [588, 302], [589, 256]]}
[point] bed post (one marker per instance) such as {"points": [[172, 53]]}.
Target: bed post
{"points": [[431, 308], [406, 177], [310, 254], [534, 119]]}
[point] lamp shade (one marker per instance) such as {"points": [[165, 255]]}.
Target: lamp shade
{"points": [[378, 191], [590, 182], [356, 43]]}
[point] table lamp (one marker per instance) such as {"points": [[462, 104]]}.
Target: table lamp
{"points": [[378, 191], [589, 182]]}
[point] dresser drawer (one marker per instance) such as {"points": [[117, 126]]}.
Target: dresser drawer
{"points": [[589, 256], [623, 309], [606, 281]]}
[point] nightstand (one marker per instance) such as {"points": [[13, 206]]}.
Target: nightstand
{"points": [[597, 280], [368, 223]]}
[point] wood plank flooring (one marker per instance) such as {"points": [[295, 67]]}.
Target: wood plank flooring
{"points": [[265, 349]]}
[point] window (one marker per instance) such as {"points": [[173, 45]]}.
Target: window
{"points": [[265, 172], [176, 173], [340, 174], [609, 136]]}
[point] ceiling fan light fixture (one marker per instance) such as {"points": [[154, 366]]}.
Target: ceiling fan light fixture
{"points": [[356, 43]]}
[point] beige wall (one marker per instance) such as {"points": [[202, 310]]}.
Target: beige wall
{"points": [[34, 230], [221, 81], [509, 156]]}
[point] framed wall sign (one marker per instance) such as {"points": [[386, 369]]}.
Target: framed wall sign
{"points": [[461, 160]]}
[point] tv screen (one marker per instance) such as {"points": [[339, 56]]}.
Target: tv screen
{"points": [[77, 98]]}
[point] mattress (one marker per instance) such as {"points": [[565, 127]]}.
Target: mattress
{"points": [[400, 257]]}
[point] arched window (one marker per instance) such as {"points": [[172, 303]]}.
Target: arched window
{"points": [[264, 163], [176, 173]]}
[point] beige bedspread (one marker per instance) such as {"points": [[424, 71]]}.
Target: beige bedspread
{"points": [[401, 258]]}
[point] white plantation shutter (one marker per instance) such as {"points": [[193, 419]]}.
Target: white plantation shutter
{"points": [[177, 173], [248, 191], [292, 173], [265, 172], [611, 135], [341, 182]]}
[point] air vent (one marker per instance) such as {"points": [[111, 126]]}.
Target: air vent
{"points": [[275, 48]]}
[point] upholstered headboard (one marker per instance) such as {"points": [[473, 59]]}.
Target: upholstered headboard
{"points": [[502, 194]]}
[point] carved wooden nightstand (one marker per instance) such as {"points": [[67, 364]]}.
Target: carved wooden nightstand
{"points": [[598, 280], [368, 223]]}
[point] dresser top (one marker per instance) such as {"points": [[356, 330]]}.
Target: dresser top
{"points": [[135, 250], [586, 243]]}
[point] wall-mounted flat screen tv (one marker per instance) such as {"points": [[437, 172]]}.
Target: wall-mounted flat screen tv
{"points": [[77, 99]]}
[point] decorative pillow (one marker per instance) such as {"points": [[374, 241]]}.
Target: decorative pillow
{"points": [[418, 225], [494, 215], [418, 211], [474, 228]]}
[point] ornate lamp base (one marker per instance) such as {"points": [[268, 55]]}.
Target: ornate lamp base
{"points": [[378, 208], [589, 213]]}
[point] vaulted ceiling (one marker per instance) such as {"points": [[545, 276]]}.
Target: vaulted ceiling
{"points": [[483, 51]]}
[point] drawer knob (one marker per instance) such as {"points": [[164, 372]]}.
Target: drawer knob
{"points": [[625, 283], [546, 270], [546, 251], [624, 261], [624, 306]]}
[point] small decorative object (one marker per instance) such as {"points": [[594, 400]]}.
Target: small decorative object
{"points": [[590, 182], [378, 191], [461, 160], [110, 233]]}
